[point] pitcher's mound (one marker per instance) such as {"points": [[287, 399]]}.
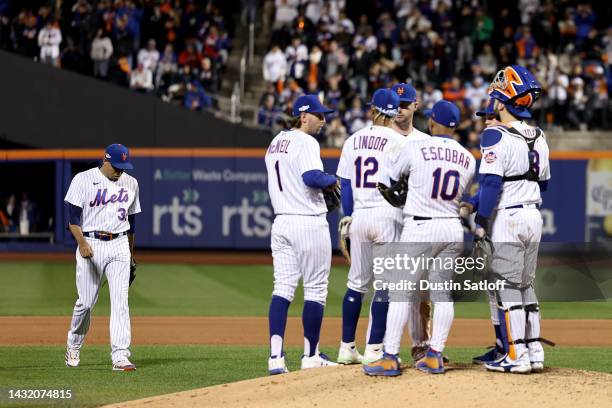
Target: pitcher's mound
{"points": [[460, 386]]}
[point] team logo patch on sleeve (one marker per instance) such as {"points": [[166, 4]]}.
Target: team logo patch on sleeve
{"points": [[490, 157]]}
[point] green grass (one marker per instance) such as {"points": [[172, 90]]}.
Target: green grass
{"points": [[39, 289], [165, 369]]}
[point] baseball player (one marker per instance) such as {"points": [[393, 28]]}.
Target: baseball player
{"points": [[301, 243], [102, 203], [514, 171], [419, 316], [439, 169], [366, 160]]}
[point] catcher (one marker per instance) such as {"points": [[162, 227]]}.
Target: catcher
{"points": [[369, 219], [514, 171]]}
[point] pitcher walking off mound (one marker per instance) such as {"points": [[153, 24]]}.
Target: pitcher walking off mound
{"points": [[102, 203], [301, 244]]}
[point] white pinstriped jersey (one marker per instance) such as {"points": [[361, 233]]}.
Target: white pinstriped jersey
{"points": [[367, 157], [416, 134], [510, 157], [106, 204], [439, 171], [291, 154]]}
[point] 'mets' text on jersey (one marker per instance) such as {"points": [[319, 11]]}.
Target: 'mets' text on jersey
{"points": [[291, 154], [506, 153], [439, 171], [106, 204], [366, 160]]}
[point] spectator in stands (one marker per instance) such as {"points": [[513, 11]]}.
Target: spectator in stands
{"points": [[124, 39], [296, 55], [335, 133], [149, 56], [101, 52], [356, 117], [12, 213], [275, 66], [167, 68], [266, 116], [28, 215], [476, 93], [49, 40], [487, 61], [195, 97], [578, 114], [190, 56], [141, 79], [286, 11], [430, 96], [208, 76]]}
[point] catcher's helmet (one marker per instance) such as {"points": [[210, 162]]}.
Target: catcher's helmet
{"points": [[515, 87]]}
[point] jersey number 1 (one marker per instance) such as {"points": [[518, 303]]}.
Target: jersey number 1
{"points": [[277, 168], [443, 192]]}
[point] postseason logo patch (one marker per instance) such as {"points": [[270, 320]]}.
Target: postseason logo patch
{"points": [[490, 157]]}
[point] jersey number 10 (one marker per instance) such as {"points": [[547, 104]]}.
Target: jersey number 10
{"points": [[451, 176]]}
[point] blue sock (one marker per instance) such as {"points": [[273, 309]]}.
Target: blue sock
{"points": [[312, 317], [499, 341], [277, 318], [351, 307], [380, 306]]}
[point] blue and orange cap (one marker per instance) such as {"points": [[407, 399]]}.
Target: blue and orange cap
{"points": [[118, 156]]}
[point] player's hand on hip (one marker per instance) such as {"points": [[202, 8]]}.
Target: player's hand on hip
{"points": [[85, 250]]}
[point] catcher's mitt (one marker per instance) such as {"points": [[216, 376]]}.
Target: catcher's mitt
{"points": [[483, 249], [132, 271], [345, 241], [332, 198], [396, 194]]}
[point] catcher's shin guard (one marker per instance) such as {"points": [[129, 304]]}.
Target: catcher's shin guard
{"points": [[532, 333], [512, 334]]}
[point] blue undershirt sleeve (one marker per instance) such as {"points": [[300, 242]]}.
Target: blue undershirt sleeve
{"points": [[132, 221], [543, 185], [318, 179], [490, 188], [74, 214], [347, 196]]}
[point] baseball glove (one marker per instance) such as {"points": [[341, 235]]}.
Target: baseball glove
{"points": [[483, 248], [345, 241], [332, 198], [396, 194], [132, 271]]}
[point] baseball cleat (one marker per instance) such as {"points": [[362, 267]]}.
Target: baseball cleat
{"points": [[506, 365], [418, 352], [72, 357], [316, 361], [277, 365], [388, 366], [348, 354], [537, 366], [492, 355], [124, 365], [373, 352], [432, 362]]}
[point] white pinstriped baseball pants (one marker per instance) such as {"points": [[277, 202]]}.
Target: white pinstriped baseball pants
{"points": [[110, 258], [301, 249], [377, 225], [443, 237]]}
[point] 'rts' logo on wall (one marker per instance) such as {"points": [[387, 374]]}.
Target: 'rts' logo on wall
{"points": [[184, 218]]}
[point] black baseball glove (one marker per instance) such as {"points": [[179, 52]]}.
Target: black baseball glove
{"points": [[132, 271], [332, 198], [396, 194]]}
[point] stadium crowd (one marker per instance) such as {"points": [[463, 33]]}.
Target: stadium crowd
{"points": [[446, 49], [176, 49]]}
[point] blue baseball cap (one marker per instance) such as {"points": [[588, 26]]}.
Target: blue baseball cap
{"points": [[406, 92], [118, 156], [385, 101], [309, 104], [445, 113]]}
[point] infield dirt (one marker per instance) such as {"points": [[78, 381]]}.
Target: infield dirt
{"points": [[254, 331]]}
